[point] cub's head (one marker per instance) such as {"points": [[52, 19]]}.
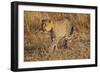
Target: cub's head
{"points": [[48, 25]]}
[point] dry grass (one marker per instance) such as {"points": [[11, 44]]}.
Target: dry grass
{"points": [[37, 44]]}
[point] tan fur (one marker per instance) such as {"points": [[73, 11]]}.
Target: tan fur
{"points": [[61, 28]]}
